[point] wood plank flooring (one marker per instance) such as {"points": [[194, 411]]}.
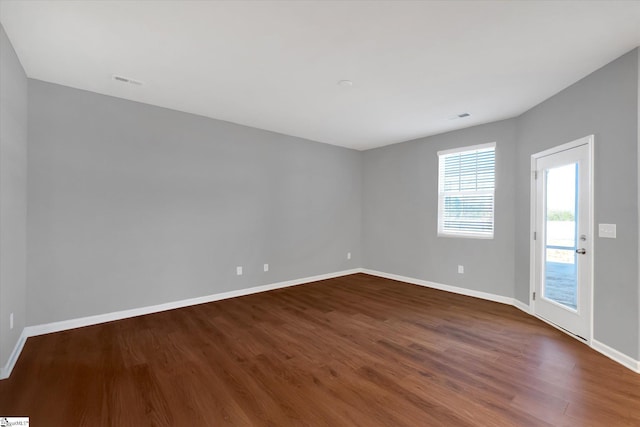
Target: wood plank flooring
{"points": [[352, 351]]}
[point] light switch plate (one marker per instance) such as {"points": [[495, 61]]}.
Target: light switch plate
{"points": [[607, 231]]}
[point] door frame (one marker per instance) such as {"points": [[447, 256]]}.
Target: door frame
{"points": [[589, 142]]}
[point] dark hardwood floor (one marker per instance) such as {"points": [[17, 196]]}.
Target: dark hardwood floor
{"points": [[357, 350]]}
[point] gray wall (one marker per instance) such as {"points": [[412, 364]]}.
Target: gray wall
{"points": [[13, 197], [400, 212], [133, 205], [400, 200], [605, 104]]}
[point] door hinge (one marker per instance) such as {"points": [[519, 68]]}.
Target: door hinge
{"points": [[534, 296], [535, 235], [535, 174]]}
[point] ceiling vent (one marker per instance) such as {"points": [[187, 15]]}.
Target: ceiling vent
{"points": [[460, 116], [122, 79]]}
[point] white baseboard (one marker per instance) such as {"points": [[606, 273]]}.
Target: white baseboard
{"points": [[64, 325], [448, 288], [522, 306], [32, 331], [611, 353], [13, 358], [616, 356]]}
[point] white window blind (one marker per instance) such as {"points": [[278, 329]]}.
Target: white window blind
{"points": [[466, 189]]}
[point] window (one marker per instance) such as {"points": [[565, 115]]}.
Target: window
{"points": [[466, 189]]}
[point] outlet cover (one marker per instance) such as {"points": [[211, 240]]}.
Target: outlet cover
{"points": [[348, 255], [239, 270], [461, 269], [266, 267]]}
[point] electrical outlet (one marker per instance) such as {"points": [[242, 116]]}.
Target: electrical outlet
{"points": [[348, 255], [239, 270], [11, 321], [266, 267], [461, 269]]}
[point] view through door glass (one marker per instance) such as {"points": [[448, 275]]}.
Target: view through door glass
{"points": [[560, 272]]}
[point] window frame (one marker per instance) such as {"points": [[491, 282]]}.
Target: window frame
{"points": [[442, 194]]}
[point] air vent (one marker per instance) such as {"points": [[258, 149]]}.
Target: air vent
{"points": [[122, 79], [460, 116]]}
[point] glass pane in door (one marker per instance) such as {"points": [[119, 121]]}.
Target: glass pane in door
{"points": [[560, 272]]}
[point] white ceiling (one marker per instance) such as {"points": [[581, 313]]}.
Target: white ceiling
{"points": [[275, 64]]}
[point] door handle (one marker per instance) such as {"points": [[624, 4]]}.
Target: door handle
{"points": [[581, 251]]}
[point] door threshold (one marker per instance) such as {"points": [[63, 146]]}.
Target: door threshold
{"points": [[566, 331]]}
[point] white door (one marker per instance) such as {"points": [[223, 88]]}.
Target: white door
{"points": [[563, 241]]}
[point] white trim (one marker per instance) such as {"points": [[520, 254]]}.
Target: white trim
{"points": [[522, 306], [612, 353], [638, 178], [31, 331], [533, 200], [616, 356], [592, 220], [448, 288], [467, 148], [8, 367], [47, 328], [564, 147], [64, 325], [465, 235]]}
